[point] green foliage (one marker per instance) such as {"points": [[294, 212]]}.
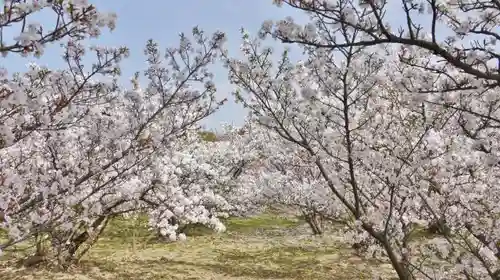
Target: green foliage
{"points": [[208, 136], [127, 228], [197, 230], [262, 222]]}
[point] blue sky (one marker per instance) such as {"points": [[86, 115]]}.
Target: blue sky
{"points": [[162, 20]]}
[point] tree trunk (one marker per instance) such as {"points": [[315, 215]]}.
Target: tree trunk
{"points": [[313, 221], [67, 254]]}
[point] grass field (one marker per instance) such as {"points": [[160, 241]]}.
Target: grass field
{"points": [[264, 247]]}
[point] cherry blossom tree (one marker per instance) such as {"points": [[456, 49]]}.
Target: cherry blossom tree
{"points": [[279, 176], [77, 149], [241, 150], [454, 34], [389, 158], [448, 62], [72, 19]]}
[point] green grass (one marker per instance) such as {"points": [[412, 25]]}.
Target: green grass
{"points": [[263, 247], [262, 222], [125, 229]]}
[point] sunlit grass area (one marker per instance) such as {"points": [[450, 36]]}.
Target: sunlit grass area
{"points": [[263, 247]]}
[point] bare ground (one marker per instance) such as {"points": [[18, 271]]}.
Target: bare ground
{"points": [[260, 248]]}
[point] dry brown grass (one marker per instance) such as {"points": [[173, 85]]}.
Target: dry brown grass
{"points": [[260, 248]]}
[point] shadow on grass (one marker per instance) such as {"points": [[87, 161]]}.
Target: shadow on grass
{"points": [[288, 262], [259, 271], [284, 262], [304, 269]]}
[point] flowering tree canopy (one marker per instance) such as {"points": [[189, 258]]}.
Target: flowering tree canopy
{"points": [[401, 145], [388, 131], [77, 148]]}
